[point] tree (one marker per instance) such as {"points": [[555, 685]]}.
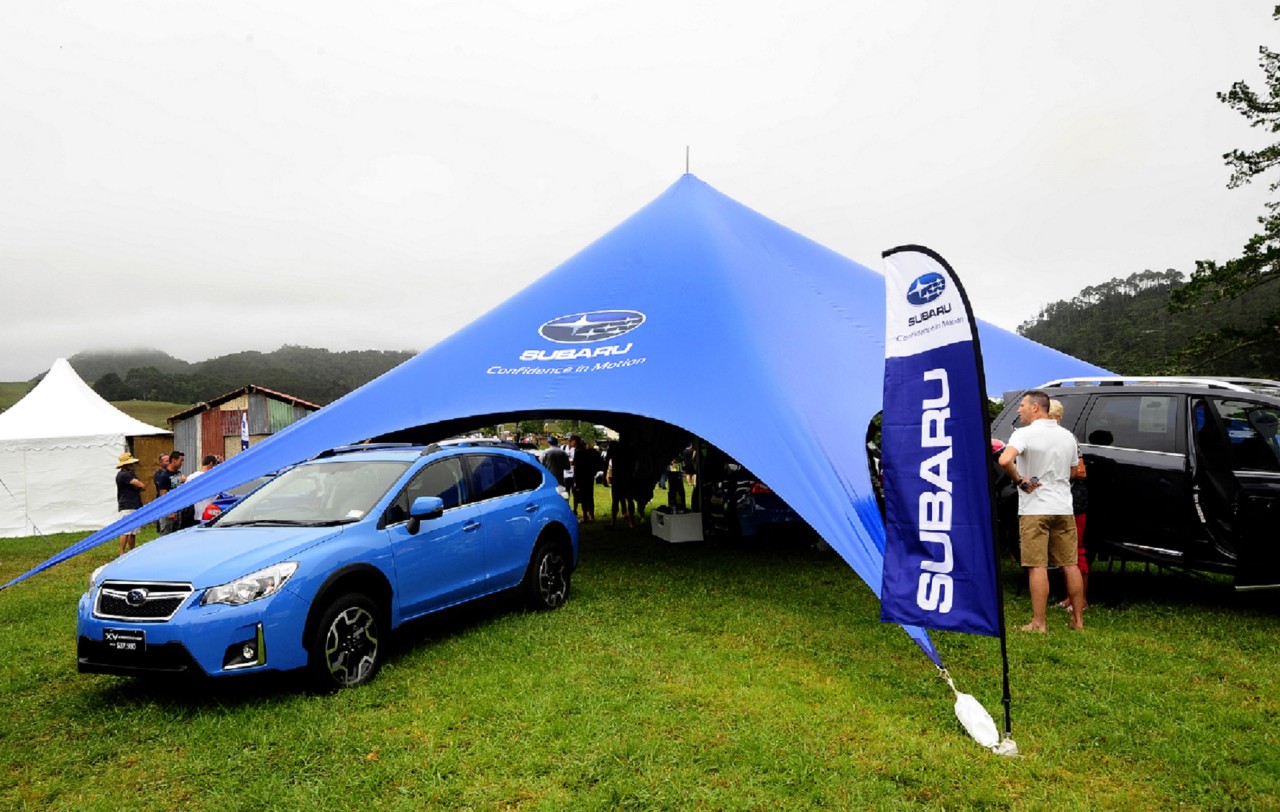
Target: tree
{"points": [[1254, 333], [110, 387], [1121, 325]]}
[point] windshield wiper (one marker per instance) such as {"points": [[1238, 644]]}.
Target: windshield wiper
{"points": [[324, 522], [265, 523], [287, 523]]}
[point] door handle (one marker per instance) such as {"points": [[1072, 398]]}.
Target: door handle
{"points": [[531, 508], [471, 527]]}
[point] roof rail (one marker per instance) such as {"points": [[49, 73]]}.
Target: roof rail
{"points": [[348, 449], [1150, 380], [469, 442], [478, 441], [1263, 384]]}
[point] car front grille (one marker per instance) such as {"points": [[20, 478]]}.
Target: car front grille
{"points": [[140, 600]]}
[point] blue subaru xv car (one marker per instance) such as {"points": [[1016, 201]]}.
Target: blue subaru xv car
{"points": [[315, 568]]}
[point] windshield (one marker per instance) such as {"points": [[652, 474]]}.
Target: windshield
{"points": [[241, 490], [318, 494]]}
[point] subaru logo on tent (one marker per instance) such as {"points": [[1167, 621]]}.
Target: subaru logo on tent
{"points": [[926, 288], [586, 328]]}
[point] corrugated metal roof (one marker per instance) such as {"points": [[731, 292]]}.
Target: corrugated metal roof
{"points": [[240, 393]]}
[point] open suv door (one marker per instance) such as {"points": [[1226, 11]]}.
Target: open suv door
{"points": [[1182, 471]]}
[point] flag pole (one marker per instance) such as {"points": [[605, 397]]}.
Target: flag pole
{"points": [[1006, 740]]}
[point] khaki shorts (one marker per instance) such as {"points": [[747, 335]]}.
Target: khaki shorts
{"points": [[1048, 540]]}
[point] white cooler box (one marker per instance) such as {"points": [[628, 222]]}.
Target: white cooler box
{"points": [[676, 527]]}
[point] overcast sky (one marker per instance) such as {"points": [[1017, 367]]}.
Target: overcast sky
{"points": [[210, 177]]}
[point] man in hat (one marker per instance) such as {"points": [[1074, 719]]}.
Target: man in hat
{"points": [[555, 459], [128, 496]]}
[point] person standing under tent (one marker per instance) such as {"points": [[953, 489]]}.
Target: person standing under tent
{"points": [[556, 460], [586, 464], [569, 451], [675, 485], [621, 475], [1039, 458]]}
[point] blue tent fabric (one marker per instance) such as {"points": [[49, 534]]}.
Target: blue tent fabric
{"points": [[696, 311]]}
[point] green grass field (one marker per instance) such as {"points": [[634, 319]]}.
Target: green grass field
{"points": [[713, 675]]}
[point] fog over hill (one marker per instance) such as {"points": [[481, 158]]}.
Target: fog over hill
{"points": [[317, 375]]}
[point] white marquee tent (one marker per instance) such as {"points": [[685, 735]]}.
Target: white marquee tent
{"points": [[59, 447]]}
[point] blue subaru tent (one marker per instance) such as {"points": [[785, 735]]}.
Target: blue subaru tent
{"points": [[696, 311]]}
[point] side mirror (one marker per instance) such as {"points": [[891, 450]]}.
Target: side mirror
{"points": [[424, 507]]}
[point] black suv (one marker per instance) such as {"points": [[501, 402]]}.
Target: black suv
{"points": [[1181, 471]]}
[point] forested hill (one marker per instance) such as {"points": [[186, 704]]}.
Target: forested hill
{"points": [[1124, 325], [316, 375]]}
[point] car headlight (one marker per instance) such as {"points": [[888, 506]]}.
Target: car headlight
{"points": [[251, 587], [95, 577]]}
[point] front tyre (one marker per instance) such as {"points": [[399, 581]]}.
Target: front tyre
{"points": [[346, 647], [546, 582]]}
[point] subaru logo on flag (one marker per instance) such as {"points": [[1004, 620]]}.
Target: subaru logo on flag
{"points": [[926, 288], [587, 328]]}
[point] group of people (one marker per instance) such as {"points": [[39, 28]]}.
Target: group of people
{"points": [[577, 467], [168, 475], [1043, 460]]}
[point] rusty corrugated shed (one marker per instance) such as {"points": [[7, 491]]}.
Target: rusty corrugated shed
{"points": [[211, 433], [279, 415], [214, 427], [186, 438], [259, 418], [230, 421]]}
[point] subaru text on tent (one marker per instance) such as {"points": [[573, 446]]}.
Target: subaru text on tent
{"points": [[313, 569]]}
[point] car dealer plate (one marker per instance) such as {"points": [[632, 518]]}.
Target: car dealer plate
{"points": [[125, 641]]}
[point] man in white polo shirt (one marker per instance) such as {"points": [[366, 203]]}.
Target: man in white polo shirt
{"points": [[1039, 458]]}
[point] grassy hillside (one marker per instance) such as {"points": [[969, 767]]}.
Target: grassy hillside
{"points": [[11, 393], [151, 412], [317, 375]]}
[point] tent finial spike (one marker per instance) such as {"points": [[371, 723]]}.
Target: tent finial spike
{"points": [[686, 159]]}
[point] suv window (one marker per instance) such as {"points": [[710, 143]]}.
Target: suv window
{"points": [[1071, 406], [528, 477], [1142, 422], [442, 479], [492, 476], [1251, 433]]}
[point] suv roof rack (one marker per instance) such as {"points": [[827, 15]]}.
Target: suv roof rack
{"points": [[348, 449], [490, 442], [1233, 384]]}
